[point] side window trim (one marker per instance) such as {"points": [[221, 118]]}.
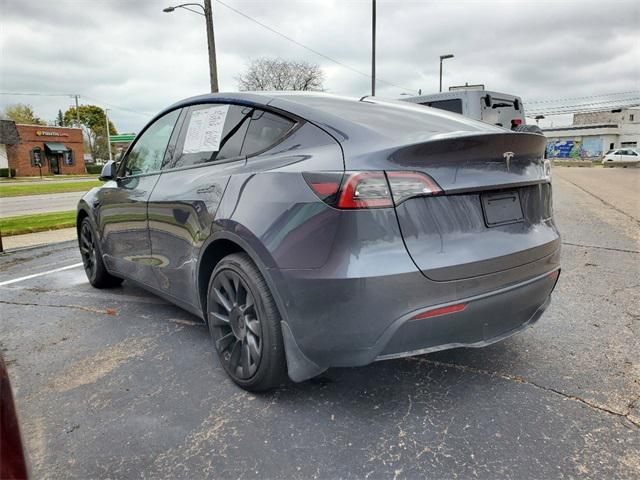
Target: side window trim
{"points": [[125, 157], [170, 152]]}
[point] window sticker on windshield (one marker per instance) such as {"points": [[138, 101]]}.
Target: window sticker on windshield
{"points": [[205, 129]]}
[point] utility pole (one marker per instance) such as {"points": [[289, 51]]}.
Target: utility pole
{"points": [[211, 41], [106, 117], [373, 49], [77, 111]]}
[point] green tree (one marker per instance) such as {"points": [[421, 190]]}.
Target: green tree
{"points": [[93, 123], [60, 119], [22, 113]]}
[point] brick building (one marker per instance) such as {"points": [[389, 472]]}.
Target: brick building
{"points": [[59, 150]]}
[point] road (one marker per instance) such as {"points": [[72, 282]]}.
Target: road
{"points": [[28, 204], [47, 180], [120, 384]]}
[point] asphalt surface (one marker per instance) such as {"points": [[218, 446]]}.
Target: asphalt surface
{"points": [[120, 384], [28, 204]]}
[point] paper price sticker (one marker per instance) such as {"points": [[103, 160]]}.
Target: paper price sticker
{"points": [[205, 129]]}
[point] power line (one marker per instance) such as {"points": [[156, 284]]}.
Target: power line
{"points": [[591, 110], [320, 54], [145, 114], [632, 102], [604, 105], [40, 94], [557, 100], [116, 107]]}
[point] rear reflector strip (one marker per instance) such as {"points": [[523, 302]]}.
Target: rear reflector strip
{"points": [[436, 312]]}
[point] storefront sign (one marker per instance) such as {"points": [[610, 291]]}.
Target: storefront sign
{"points": [[44, 133]]}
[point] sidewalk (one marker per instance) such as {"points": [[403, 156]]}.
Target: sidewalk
{"points": [[40, 238]]}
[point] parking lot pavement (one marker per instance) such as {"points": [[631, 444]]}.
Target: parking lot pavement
{"points": [[121, 384]]}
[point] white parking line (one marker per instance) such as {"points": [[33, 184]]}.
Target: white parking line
{"points": [[20, 279]]}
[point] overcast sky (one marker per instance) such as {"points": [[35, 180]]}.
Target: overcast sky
{"points": [[137, 59]]}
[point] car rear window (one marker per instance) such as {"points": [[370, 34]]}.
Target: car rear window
{"points": [[400, 121]]}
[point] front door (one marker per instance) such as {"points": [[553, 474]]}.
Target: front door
{"points": [[54, 163], [184, 202], [122, 203]]}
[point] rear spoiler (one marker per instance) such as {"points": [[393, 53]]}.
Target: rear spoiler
{"points": [[474, 162]]}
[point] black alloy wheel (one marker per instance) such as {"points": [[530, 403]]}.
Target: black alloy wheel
{"points": [[245, 324], [234, 317], [88, 250], [92, 258]]}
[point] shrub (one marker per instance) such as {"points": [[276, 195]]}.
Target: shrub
{"points": [[4, 172], [94, 169]]}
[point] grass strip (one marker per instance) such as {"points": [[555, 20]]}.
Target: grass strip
{"points": [[44, 188], [38, 222]]}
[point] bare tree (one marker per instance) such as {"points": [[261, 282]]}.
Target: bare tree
{"points": [[279, 74]]}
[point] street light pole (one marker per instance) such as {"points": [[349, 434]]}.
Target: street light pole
{"points": [[373, 49], [211, 42], [106, 117], [443, 57]]}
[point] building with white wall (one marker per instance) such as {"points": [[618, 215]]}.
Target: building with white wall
{"points": [[591, 135]]}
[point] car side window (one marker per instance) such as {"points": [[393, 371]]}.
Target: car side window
{"points": [[148, 153], [211, 133], [265, 129]]}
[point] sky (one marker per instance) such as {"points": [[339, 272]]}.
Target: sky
{"points": [[135, 59]]}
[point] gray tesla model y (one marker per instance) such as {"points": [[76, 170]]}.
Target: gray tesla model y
{"points": [[313, 231]]}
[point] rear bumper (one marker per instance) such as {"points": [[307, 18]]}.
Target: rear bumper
{"points": [[345, 322], [486, 319]]}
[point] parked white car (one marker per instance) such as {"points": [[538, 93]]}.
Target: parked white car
{"points": [[629, 156]]}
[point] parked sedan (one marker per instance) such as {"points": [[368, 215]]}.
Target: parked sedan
{"points": [[313, 231], [628, 156]]}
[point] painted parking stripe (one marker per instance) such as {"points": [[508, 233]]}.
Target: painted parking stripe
{"points": [[55, 270]]}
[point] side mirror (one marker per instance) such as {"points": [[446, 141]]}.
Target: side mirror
{"points": [[109, 171]]}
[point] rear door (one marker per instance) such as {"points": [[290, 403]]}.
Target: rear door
{"points": [[122, 203], [504, 110], [628, 156], [184, 202]]}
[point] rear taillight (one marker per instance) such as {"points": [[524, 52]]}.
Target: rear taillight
{"points": [[356, 190], [405, 185]]}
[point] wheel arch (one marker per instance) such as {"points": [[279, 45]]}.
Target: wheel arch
{"points": [[225, 243], [218, 246], [80, 216]]}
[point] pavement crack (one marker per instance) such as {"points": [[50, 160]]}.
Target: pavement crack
{"points": [[106, 311], [522, 380], [601, 248], [610, 205]]}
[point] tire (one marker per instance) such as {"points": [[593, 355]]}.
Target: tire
{"points": [[92, 258], [244, 323], [528, 129]]}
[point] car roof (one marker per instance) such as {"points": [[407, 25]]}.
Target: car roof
{"points": [[351, 120]]}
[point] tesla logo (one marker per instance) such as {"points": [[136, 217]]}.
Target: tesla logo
{"points": [[507, 158]]}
